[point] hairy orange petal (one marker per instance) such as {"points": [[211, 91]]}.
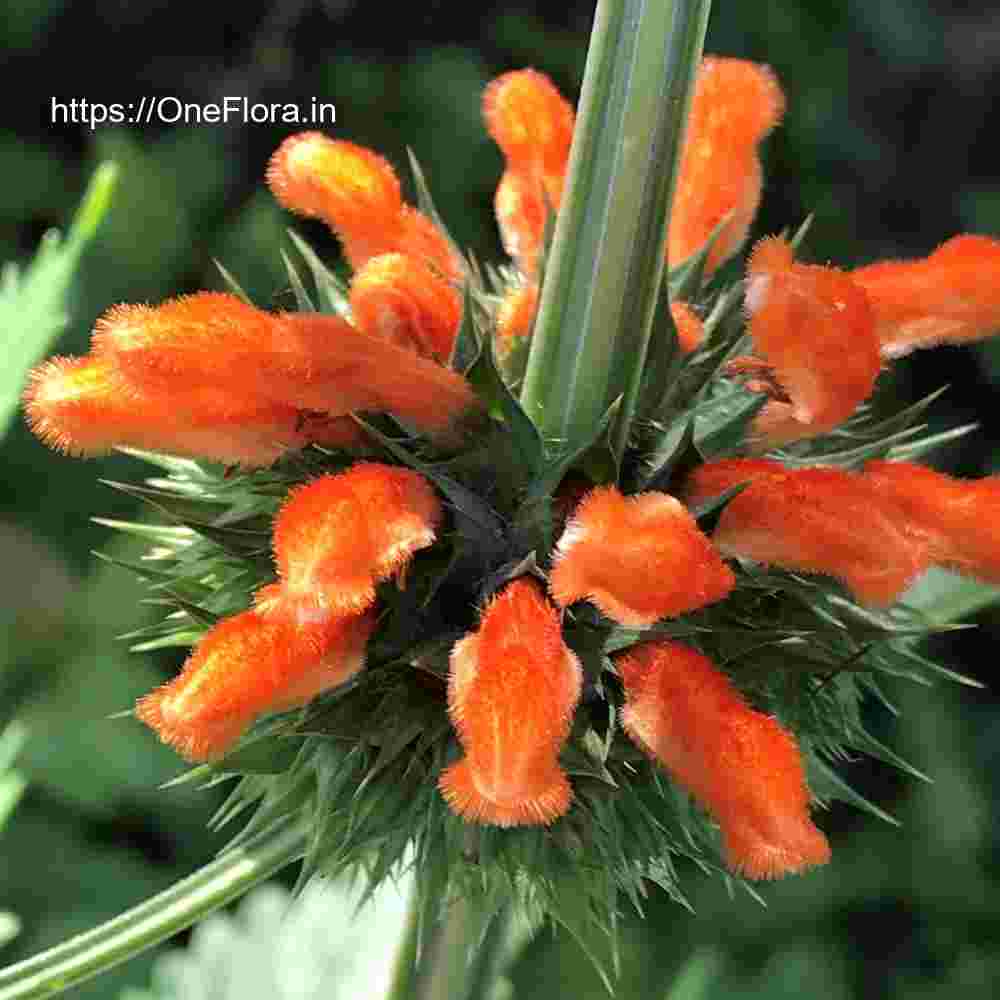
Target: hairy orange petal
{"points": [[638, 558], [690, 329], [814, 325], [512, 690], [86, 406], [738, 763], [246, 666], [951, 296], [734, 106], [960, 518], [339, 535], [402, 300], [521, 211], [516, 317], [817, 520], [305, 360]]}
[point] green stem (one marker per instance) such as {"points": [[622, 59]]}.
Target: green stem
{"points": [[606, 263], [149, 923]]}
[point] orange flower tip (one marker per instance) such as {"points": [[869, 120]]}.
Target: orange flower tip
{"points": [[745, 95], [516, 316], [529, 120], [354, 190], [521, 211], [690, 329], [476, 801], [512, 690], [400, 299], [638, 559], [802, 846], [949, 297], [195, 740]]}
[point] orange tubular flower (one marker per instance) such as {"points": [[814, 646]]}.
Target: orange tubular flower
{"points": [[512, 691], [960, 519], [814, 325], [638, 558], [86, 406], [515, 317], [951, 296], [402, 300], [357, 194], [734, 106], [338, 536], [817, 520], [306, 360], [690, 329], [738, 763], [246, 666], [532, 123]]}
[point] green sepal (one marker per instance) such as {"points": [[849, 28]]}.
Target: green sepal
{"points": [[303, 301], [232, 285], [331, 291], [687, 279]]}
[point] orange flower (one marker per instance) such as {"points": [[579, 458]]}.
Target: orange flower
{"points": [[734, 106], [951, 296], [690, 329], [306, 360], [357, 194], [638, 558], [512, 691], [960, 519], [402, 300], [817, 520], [532, 123], [86, 406], [814, 325], [338, 536], [246, 666], [738, 763], [516, 316]]}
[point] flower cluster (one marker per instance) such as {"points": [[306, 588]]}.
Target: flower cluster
{"points": [[563, 618]]}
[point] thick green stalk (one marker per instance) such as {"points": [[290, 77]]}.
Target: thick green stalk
{"points": [[605, 267], [149, 923]]}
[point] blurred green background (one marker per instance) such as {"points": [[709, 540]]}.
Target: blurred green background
{"points": [[887, 140]]}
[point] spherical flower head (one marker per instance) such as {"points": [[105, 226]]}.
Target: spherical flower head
{"points": [[816, 328], [247, 666], [734, 106], [738, 763], [952, 296], [638, 558], [512, 690], [338, 536], [401, 299], [815, 520]]}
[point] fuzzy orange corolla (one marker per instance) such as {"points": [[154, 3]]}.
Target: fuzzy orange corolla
{"points": [[532, 123], [515, 317], [738, 763], [638, 558], [401, 299], [814, 326], [690, 329], [512, 690], [734, 106], [817, 520], [959, 518], [307, 360], [357, 194], [246, 666], [951, 296], [336, 537], [86, 406]]}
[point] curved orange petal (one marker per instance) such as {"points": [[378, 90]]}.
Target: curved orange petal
{"points": [[690, 329], [246, 666], [738, 763], [638, 558], [951, 296], [512, 690], [817, 520], [515, 317]]}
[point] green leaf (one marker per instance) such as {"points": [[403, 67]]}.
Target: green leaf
{"points": [[331, 290]]}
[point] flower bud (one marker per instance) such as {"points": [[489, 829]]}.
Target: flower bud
{"points": [[815, 327], [815, 520], [402, 300], [690, 329], [734, 106], [338, 536], [739, 764], [246, 666], [512, 691], [638, 558]]}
